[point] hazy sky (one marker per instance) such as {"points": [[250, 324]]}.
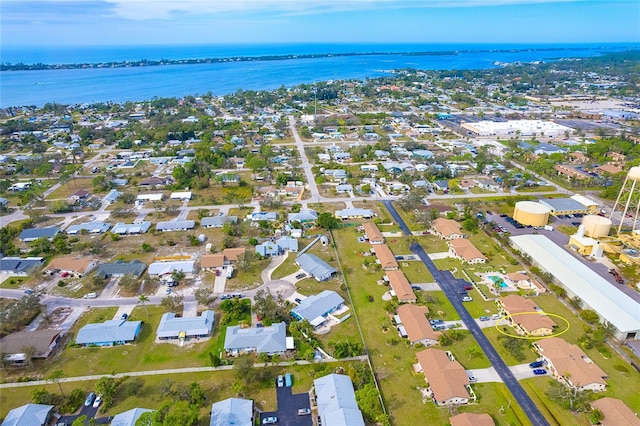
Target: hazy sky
{"points": [[116, 22]]}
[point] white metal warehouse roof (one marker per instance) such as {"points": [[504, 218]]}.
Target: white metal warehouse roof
{"points": [[608, 301]]}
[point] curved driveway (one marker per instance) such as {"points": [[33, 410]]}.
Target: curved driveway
{"points": [[450, 285]]}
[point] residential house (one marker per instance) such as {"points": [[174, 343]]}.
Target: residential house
{"points": [[488, 184], [131, 228], [32, 234], [313, 266], [142, 198], [74, 266], [238, 162], [166, 268], [415, 326], [182, 328], [525, 316], [175, 225], [317, 308], [400, 287], [217, 221], [154, 181], [211, 262], [386, 259], [29, 415], [372, 233], [93, 227], [41, 341], [577, 157], [354, 213], [109, 333], [336, 174], [447, 379], [181, 195], [447, 229], [570, 365], [129, 418], [441, 185], [20, 266], [471, 419], [571, 172], [120, 268], [303, 216], [232, 255], [232, 412], [525, 282], [268, 249], [548, 149], [268, 216], [608, 169], [615, 412], [344, 188], [270, 340], [79, 195], [465, 251], [336, 401]]}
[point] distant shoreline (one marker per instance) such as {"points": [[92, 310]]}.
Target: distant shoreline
{"points": [[164, 62]]}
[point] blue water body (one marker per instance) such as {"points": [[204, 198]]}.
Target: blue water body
{"points": [[70, 86]]}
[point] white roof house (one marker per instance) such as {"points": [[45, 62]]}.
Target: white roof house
{"points": [[163, 268], [232, 411], [121, 228], [94, 227], [614, 306], [336, 401], [150, 197], [129, 418], [175, 225], [184, 195]]}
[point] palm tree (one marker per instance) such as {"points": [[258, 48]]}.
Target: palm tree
{"points": [[55, 377], [142, 299]]}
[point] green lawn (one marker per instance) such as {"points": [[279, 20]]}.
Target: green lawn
{"points": [[287, 267], [13, 282], [416, 272]]}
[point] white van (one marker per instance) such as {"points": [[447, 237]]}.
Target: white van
{"points": [[91, 295]]}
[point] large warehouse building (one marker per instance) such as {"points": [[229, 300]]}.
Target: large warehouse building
{"points": [[611, 304], [515, 128], [564, 206]]}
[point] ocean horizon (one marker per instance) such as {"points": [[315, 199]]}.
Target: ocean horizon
{"points": [[71, 86]]}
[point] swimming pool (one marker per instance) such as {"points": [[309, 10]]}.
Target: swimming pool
{"points": [[497, 281]]}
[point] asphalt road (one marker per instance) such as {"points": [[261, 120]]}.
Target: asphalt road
{"points": [[450, 285]]}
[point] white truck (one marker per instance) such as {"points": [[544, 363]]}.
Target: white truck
{"points": [[548, 228]]}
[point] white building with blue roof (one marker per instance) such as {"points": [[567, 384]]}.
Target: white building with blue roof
{"points": [[316, 308], [336, 400], [173, 327], [232, 412], [121, 228], [32, 234], [109, 333]]}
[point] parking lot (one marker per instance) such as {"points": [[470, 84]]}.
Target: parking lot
{"points": [[288, 405]]}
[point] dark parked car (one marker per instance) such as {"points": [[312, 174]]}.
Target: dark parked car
{"points": [[539, 371], [468, 287], [536, 364], [124, 316]]}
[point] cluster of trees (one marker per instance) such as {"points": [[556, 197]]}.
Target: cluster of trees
{"points": [[271, 308], [235, 311], [16, 313]]}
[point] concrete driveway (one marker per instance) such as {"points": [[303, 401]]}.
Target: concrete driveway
{"points": [[523, 371], [485, 375]]}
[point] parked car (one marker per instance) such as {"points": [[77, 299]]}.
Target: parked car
{"points": [[436, 321], [536, 364], [473, 379], [271, 420], [97, 402], [300, 276], [90, 295], [124, 316], [280, 381], [225, 297], [438, 327], [297, 300], [167, 290], [288, 380], [304, 411], [468, 287], [495, 316], [484, 318], [463, 292], [28, 291], [89, 400], [466, 298], [539, 371]]}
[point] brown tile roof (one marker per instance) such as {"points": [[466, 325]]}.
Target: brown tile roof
{"points": [[401, 286], [517, 276], [373, 233], [609, 168], [515, 304], [415, 323], [385, 256], [570, 171], [446, 378], [446, 227], [571, 362], [232, 254], [40, 340], [615, 412], [471, 419], [78, 265], [466, 250], [212, 260]]}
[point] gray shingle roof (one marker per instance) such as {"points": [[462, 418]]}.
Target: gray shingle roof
{"points": [[217, 221], [317, 305], [336, 400], [270, 339], [20, 264], [175, 225], [131, 228], [119, 267], [31, 234], [28, 415], [171, 326], [91, 227], [313, 265], [232, 411]]}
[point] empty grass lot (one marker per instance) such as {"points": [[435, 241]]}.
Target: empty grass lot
{"points": [[392, 357]]}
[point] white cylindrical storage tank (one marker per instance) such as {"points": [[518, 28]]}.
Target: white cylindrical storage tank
{"points": [[531, 213], [634, 173], [596, 226]]}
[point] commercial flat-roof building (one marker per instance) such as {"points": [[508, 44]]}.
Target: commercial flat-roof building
{"points": [[513, 128], [564, 206], [612, 305], [336, 400]]}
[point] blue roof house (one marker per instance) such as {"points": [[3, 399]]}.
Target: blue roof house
{"points": [[336, 401], [316, 308], [232, 411], [109, 333], [172, 327], [316, 267], [32, 234], [288, 243], [129, 418], [268, 249], [29, 415], [270, 340]]}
